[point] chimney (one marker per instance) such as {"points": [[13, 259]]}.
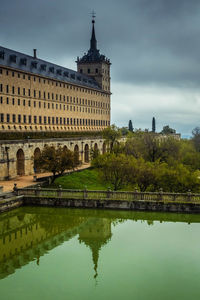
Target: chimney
{"points": [[35, 53]]}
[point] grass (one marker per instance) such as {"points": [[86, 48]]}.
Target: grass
{"points": [[88, 178]]}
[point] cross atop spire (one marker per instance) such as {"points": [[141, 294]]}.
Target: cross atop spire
{"points": [[93, 41]]}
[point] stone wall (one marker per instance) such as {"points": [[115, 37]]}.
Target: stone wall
{"points": [[16, 157]]}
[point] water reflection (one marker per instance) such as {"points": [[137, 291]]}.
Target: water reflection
{"points": [[28, 233]]}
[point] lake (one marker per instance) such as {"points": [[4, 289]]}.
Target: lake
{"points": [[58, 253]]}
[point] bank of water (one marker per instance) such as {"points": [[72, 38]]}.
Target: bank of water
{"points": [[52, 253]]}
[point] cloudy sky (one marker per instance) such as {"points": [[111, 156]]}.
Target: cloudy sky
{"points": [[154, 47]]}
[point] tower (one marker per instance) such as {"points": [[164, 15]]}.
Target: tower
{"points": [[94, 64]]}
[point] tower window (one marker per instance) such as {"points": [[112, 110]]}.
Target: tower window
{"points": [[81, 70], [97, 71], [88, 71]]}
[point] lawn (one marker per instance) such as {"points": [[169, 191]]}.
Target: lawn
{"points": [[88, 178]]}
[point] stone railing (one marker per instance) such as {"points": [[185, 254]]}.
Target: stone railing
{"points": [[108, 195]]}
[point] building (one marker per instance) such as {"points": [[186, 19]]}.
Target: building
{"points": [[36, 95]]}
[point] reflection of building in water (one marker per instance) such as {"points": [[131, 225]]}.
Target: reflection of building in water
{"points": [[25, 237], [95, 236]]}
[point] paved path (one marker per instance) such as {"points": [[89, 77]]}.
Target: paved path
{"points": [[23, 181]]}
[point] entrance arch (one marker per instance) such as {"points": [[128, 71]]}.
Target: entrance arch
{"points": [[37, 154], [86, 153], [95, 147], [104, 148], [20, 162], [76, 152]]}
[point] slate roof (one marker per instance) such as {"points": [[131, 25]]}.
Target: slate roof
{"points": [[27, 63]]}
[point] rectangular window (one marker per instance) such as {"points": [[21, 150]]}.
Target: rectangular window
{"points": [[8, 118], [1, 87], [60, 121], [24, 119], [18, 90], [7, 89], [44, 95], [35, 119], [29, 119], [19, 118], [14, 118], [34, 93], [49, 120], [45, 120], [13, 89], [2, 118], [34, 104], [18, 101], [67, 121], [29, 102], [40, 120], [13, 101], [52, 120], [24, 102], [39, 94], [1, 100], [39, 104], [64, 121], [56, 120], [7, 100], [29, 92], [24, 92]]}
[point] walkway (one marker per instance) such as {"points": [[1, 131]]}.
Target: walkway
{"points": [[24, 181]]}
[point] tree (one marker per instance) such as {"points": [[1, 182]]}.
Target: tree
{"points": [[114, 169], [167, 130], [111, 135], [130, 126], [56, 160], [153, 125], [196, 138]]}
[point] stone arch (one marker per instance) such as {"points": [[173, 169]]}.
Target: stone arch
{"points": [[36, 155], [76, 151], [86, 153], [104, 148], [65, 148], [95, 147], [20, 162]]}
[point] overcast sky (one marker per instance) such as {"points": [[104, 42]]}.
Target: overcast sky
{"points": [[154, 47]]}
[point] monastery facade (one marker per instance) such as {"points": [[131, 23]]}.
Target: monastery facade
{"points": [[36, 95]]}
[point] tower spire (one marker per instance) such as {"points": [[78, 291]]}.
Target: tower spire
{"points": [[93, 41]]}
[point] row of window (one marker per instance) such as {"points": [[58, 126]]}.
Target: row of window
{"points": [[53, 106], [52, 82], [12, 118], [50, 96]]}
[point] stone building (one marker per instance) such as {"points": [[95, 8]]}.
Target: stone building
{"points": [[36, 95]]}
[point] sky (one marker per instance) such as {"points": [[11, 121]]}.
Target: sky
{"points": [[154, 47]]}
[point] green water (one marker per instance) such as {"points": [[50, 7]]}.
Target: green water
{"points": [[48, 253]]}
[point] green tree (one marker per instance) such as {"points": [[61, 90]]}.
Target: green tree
{"points": [[167, 130], [56, 160], [130, 126], [153, 125], [111, 135], [196, 138], [114, 169]]}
